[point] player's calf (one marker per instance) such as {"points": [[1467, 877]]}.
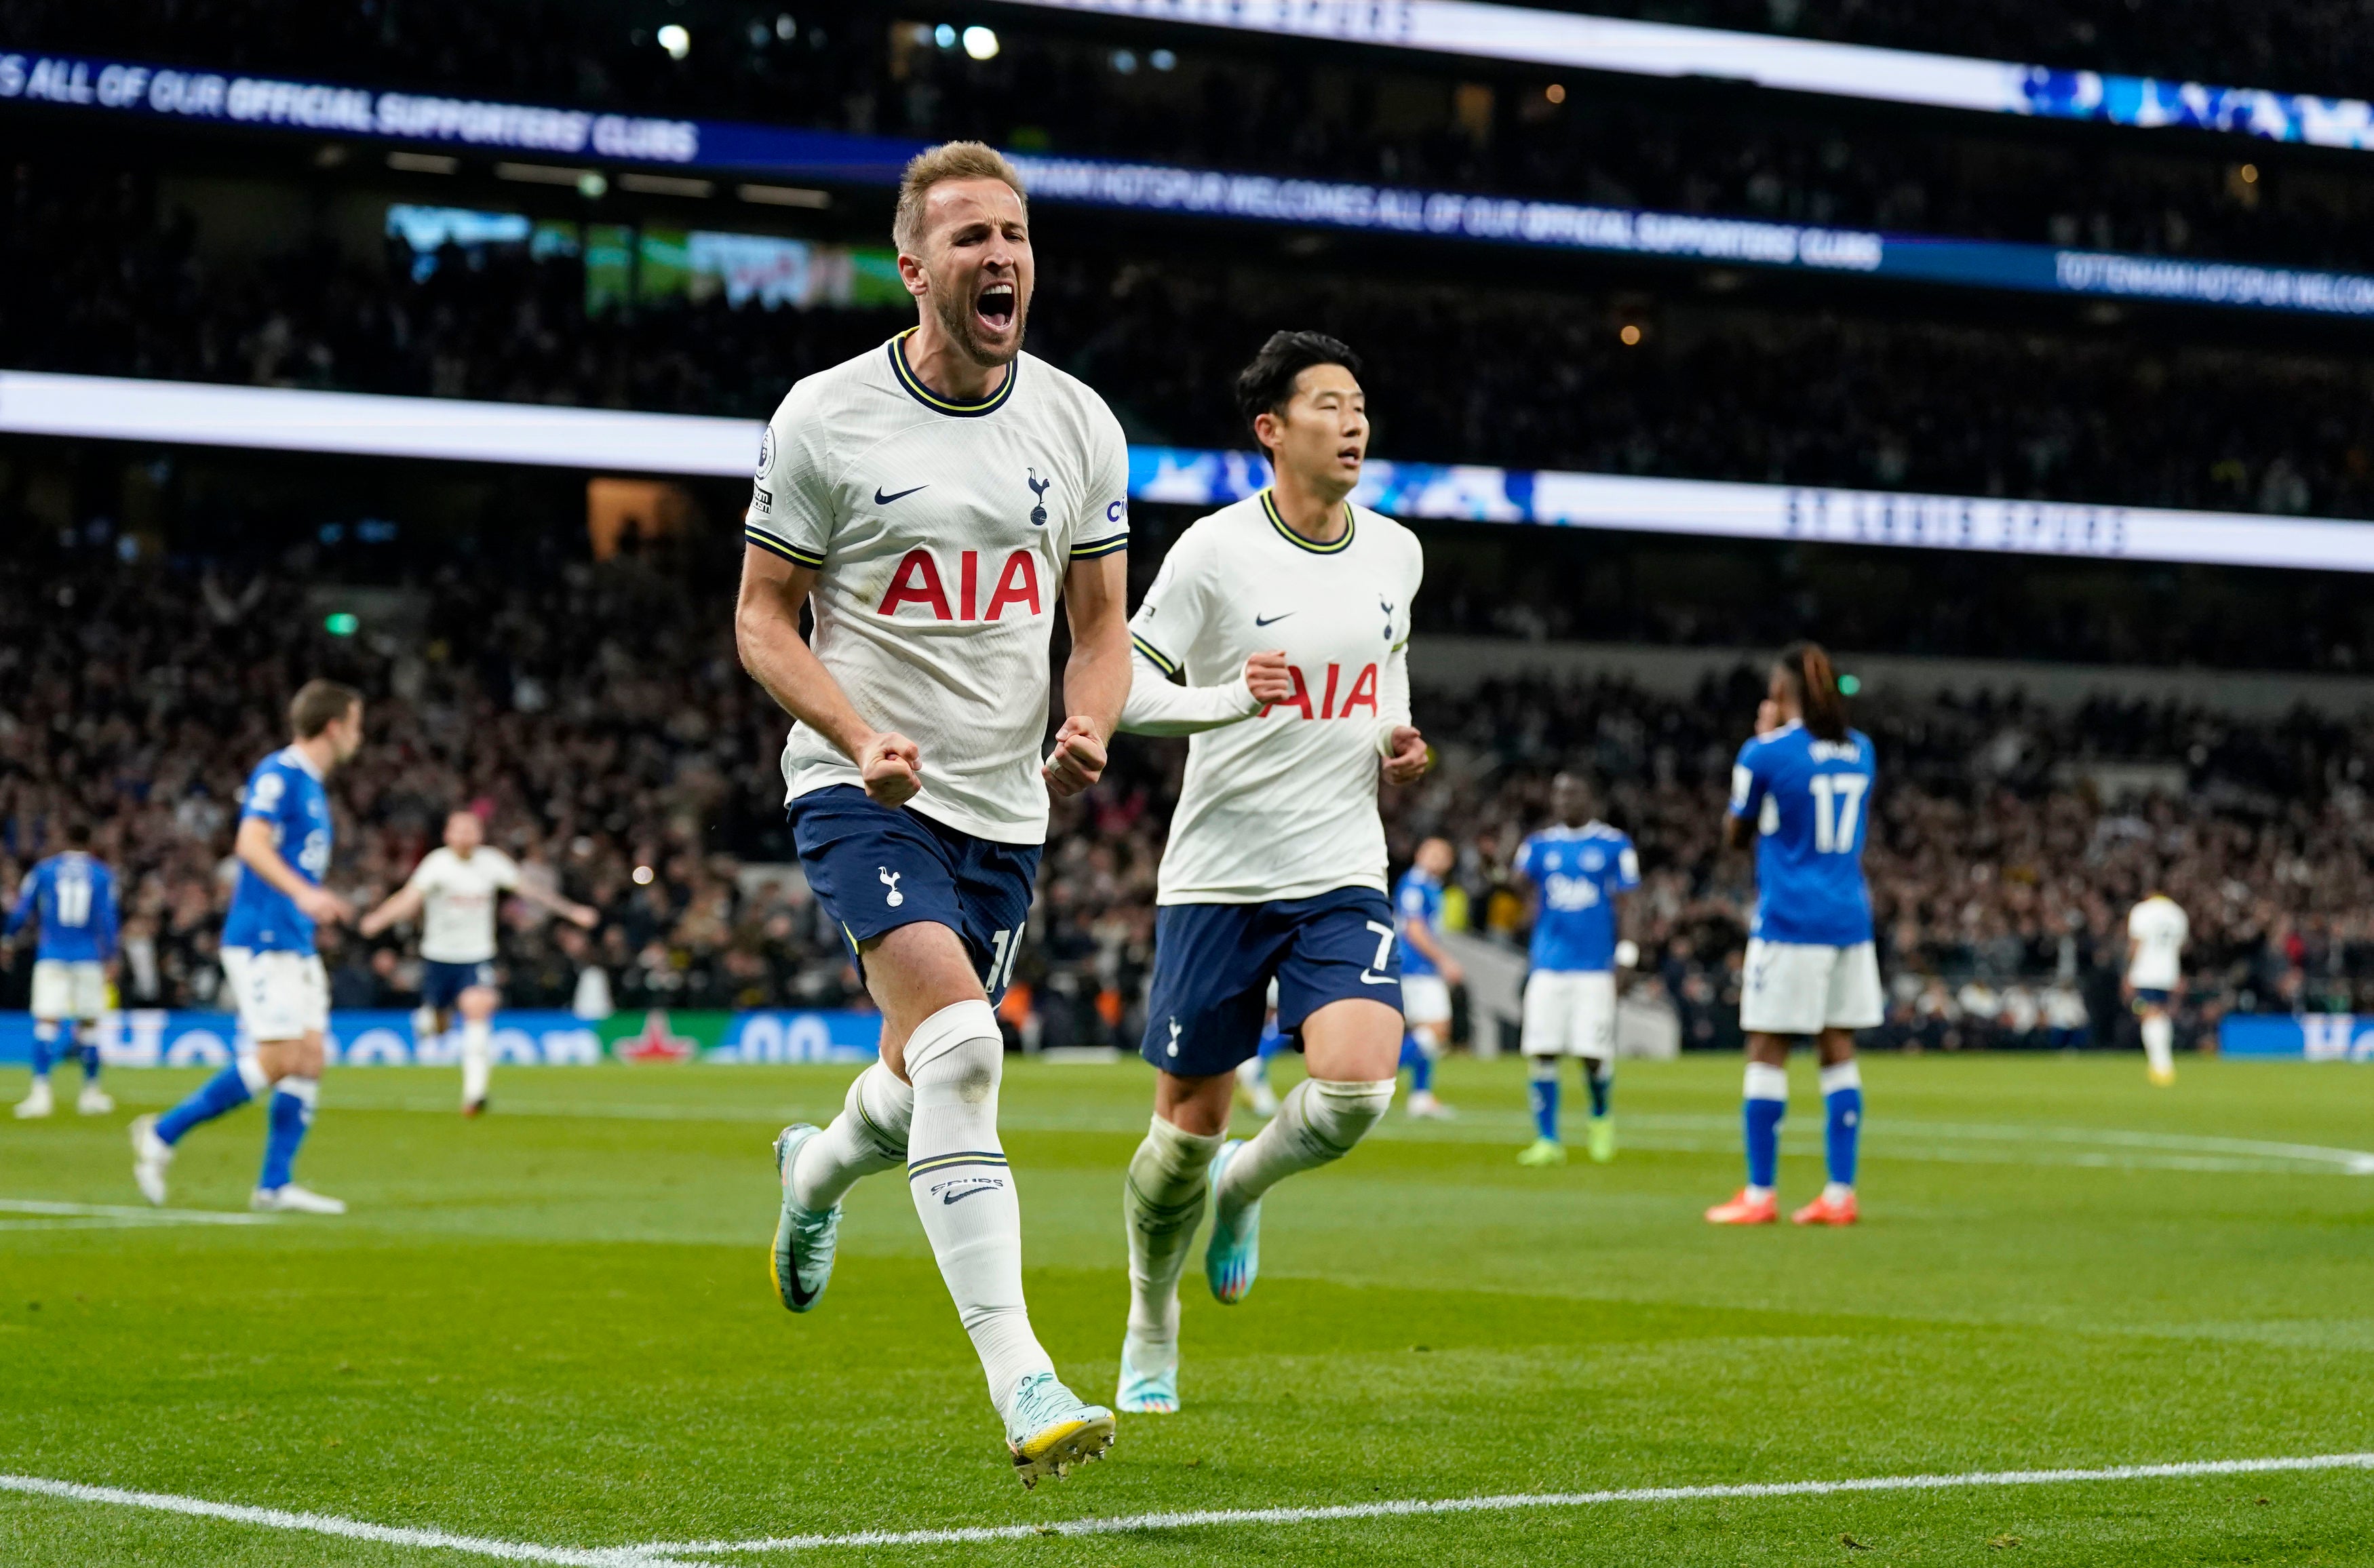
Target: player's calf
{"points": [[1162, 1202]]}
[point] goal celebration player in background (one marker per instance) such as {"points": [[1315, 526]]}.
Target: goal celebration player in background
{"points": [[1802, 790], [268, 957], [454, 890], [928, 500], [1578, 867], [2157, 932], [1275, 864], [72, 894]]}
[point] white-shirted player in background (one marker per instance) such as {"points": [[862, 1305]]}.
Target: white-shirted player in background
{"points": [[2156, 931], [927, 501], [454, 892], [1275, 865]]}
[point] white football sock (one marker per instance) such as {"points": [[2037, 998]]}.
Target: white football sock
{"points": [[1317, 1124], [869, 1135], [478, 1058], [2160, 1043], [963, 1191], [1162, 1201]]}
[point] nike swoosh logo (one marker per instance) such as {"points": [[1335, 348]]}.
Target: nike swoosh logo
{"points": [[1369, 979], [882, 500], [1273, 620], [967, 1192]]}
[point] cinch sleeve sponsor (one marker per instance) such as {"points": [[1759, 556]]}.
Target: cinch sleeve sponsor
{"points": [[1748, 784], [1170, 617], [791, 500], [1102, 527]]}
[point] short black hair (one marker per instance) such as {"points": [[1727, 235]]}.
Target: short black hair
{"points": [[1265, 385], [78, 834]]}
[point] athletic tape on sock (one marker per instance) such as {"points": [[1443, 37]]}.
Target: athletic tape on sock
{"points": [[1765, 1081], [1841, 1075], [251, 1074]]}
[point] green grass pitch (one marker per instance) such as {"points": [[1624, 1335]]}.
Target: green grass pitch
{"points": [[556, 1326]]}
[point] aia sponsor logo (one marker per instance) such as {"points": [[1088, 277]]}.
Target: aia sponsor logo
{"points": [[921, 581], [1360, 695]]}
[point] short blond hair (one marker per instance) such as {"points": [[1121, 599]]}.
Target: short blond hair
{"points": [[937, 166]]}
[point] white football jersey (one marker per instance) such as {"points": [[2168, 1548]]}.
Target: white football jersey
{"points": [[1284, 804], [940, 533], [2158, 928], [457, 903]]}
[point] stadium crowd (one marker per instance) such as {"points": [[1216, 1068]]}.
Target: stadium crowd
{"points": [[98, 276], [601, 725], [1200, 98]]}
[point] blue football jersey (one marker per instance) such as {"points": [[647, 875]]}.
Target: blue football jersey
{"points": [[74, 896], [1811, 800], [1578, 873], [285, 792], [1418, 901]]}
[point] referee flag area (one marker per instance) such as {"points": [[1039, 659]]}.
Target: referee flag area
{"points": [[2082, 1322]]}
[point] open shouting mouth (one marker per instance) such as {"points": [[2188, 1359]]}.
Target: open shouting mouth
{"points": [[996, 305]]}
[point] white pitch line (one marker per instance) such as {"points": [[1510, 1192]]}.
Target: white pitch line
{"points": [[130, 1214], [350, 1529], [1406, 1508], [671, 1554]]}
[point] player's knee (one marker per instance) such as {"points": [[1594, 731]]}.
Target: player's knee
{"points": [[1341, 1112], [957, 1053]]}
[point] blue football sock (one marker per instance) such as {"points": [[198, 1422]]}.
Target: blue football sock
{"points": [[89, 1055], [1765, 1101], [1271, 1044], [292, 1114], [1601, 1076], [218, 1095], [1421, 1065], [1842, 1097], [1541, 1091], [45, 1047]]}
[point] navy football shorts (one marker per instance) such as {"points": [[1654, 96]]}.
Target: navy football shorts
{"points": [[442, 985], [875, 867], [1212, 964]]}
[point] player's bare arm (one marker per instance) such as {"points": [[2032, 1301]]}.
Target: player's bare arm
{"points": [[399, 906], [1096, 676], [767, 634], [576, 914], [261, 855]]}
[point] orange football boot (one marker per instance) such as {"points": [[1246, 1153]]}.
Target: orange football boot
{"points": [[1744, 1211], [1822, 1211]]}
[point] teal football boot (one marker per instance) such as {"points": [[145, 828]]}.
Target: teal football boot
{"points": [[804, 1240], [1052, 1429], [1232, 1258], [1148, 1386]]}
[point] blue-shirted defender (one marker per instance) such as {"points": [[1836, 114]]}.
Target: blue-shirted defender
{"points": [[72, 895], [1801, 791], [1428, 971], [269, 960], [1578, 869]]}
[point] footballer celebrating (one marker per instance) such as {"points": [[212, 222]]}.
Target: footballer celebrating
{"points": [[453, 891], [927, 502], [1275, 864], [1801, 791]]}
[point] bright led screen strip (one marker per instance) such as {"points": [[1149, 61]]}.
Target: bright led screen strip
{"points": [[1525, 35], [610, 441], [786, 153]]}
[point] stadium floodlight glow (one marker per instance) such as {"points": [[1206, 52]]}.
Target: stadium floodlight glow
{"points": [[945, 36], [981, 43], [1524, 35], [602, 441], [674, 40]]}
